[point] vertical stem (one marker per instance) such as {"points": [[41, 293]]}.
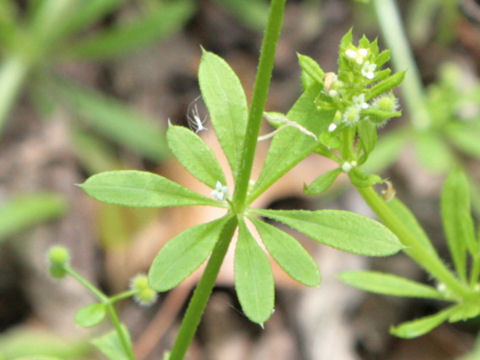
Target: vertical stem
{"points": [[426, 258], [412, 88], [259, 98], [202, 293], [127, 347], [12, 73], [110, 309]]}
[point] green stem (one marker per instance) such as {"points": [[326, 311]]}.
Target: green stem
{"points": [[12, 73], [412, 88], [202, 293], [259, 98], [122, 296], [94, 290], [110, 310], [425, 257], [120, 331]]}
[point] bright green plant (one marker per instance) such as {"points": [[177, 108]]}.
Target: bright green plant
{"points": [[337, 116], [116, 344], [325, 117]]}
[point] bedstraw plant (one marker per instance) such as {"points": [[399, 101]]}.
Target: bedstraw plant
{"points": [[336, 116]]}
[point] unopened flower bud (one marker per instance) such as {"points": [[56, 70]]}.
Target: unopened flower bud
{"points": [[58, 258]]}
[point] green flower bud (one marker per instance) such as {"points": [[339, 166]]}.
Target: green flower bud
{"points": [[145, 295], [58, 258], [386, 103]]}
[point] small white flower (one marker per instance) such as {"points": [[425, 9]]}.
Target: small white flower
{"points": [[368, 70], [347, 166], [352, 54], [332, 127], [363, 52], [359, 102], [221, 191]]}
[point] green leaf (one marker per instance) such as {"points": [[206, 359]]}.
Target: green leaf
{"points": [[226, 102], [465, 137], [183, 254], [342, 230], [360, 179], [433, 153], [288, 253], [252, 13], [387, 284], [312, 73], [114, 120], [322, 183], [290, 146], [111, 346], [385, 85], [142, 189], [457, 220], [25, 211], [90, 315], [195, 155], [415, 328], [253, 278], [386, 151], [86, 14], [463, 312], [404, 214], [367, 133], [26, 343], [125, 38]]}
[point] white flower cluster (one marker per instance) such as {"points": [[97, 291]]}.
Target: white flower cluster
{"points": [[359, 56]]}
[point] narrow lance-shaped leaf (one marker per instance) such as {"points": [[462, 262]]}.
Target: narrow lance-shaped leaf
{"points": [[90, 315], [141, 189], [457, 220], [388, 284], [342, 230], [367, 133], [86, 14], [465, 137], [311, 72], [183, 254], [415, 328], [465, 311], [433, 152], [110, 344], [123, 39], [253, 278], [322, 183], [386, 151], [114, 120], [385, 85], [227, 105], [22, 212], [410, 221], [290, 145], [288, 253], [192, 152]]}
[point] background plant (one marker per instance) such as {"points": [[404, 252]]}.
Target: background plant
{"points": [[316, 117]]}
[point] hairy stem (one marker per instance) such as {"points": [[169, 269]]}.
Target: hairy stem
{"points": [[425, 257], [202, 293], [259, 98]]}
